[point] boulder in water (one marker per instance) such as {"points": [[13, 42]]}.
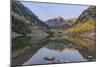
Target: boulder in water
{"points": [[49, 58]]}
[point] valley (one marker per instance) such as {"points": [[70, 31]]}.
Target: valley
{"points": [[56, 40]]}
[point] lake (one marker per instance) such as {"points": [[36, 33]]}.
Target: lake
{"points": [[31, 50]]}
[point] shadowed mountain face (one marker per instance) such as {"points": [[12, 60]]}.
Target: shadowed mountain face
{"points": [[24, 20], [57, 22]]}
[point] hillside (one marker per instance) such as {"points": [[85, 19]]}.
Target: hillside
{"points": [[87, 14], [86, 21], [83, 27], [24, 21]]}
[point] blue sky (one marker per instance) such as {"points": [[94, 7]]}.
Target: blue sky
{"points": [[47, 11]]}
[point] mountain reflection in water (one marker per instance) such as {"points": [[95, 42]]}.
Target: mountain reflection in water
{"points": [[68, 54], [34, 51]]}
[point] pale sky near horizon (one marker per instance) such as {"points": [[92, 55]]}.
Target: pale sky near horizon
{"points": [[47, 11]]}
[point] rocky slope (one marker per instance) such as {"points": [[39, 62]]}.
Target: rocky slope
{"points": [[24, 21], [87, 14], [86, 21]]}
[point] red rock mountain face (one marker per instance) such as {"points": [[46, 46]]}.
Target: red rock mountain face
{"points": [[57, 22]]}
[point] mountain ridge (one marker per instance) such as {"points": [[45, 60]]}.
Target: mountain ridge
{"points": [[86, 21], [24, 21]]}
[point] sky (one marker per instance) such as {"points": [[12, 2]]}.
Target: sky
{"points": [[47, 11]]}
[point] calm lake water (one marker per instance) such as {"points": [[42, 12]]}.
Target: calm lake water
{"points": [[34, 50]]}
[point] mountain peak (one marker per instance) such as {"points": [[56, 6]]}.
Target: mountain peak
{"points": [[57, 22], [58, 19]]}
